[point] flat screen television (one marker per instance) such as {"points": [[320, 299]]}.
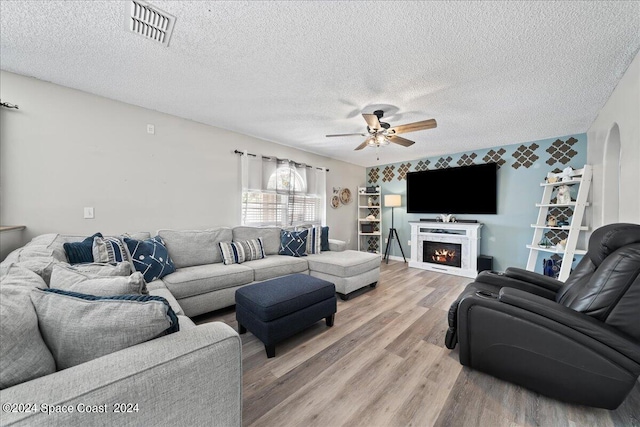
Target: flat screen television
{"points": [[461, 190]]}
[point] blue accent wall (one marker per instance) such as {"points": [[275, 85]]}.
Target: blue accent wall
{"points": [[523, 167]]}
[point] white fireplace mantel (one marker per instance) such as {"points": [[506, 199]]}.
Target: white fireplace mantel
{"points": [[465, 234]]}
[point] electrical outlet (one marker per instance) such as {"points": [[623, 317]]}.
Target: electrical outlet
{"points": [[386, 240], [151, 129], [409, 243], [88, 213]]}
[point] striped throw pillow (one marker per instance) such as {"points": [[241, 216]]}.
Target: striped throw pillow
{"points": [[109, 250], [241, 251], [314, 241], [253, 249]]}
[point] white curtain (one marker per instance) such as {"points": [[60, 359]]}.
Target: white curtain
{"points": [[281, 192]]}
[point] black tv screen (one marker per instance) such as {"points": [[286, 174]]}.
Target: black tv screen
{"points": [[461, 190]]}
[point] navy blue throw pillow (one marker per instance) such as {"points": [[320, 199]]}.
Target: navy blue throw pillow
{"points": [[80, 252], [293, 243], [324, 239], [150, 257]]}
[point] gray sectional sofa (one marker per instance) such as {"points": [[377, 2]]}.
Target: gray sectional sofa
{"points": [[192, 377]]}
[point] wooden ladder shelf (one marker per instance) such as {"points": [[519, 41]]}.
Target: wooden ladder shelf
{"points": [[582, 178]]}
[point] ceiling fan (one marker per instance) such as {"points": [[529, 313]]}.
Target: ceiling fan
{"points": [[381, 133]]}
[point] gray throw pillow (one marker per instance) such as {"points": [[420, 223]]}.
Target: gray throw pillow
{"points": [[100, 269], [14, 274], [43, 267], [75, 281], [78, 328], [23, 354]]}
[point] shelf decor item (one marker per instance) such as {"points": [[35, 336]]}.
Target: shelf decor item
{"points": [[551, 221], [563, 197], [545, 243]]}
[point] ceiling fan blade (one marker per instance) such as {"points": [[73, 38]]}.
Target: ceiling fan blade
{"points": [[361, 146], [412, 127], [400, 140], [372, 121], [346, 134]]}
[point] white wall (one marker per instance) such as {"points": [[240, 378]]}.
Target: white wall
{"points": [[65, 149], [622, 109]]}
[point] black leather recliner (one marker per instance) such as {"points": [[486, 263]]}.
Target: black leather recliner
{"points": [[577, 341]]}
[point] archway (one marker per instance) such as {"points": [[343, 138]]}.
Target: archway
{"points": [[611, 177]]}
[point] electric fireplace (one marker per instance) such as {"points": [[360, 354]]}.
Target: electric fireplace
{"points": [[450, 248], [442, 253]]}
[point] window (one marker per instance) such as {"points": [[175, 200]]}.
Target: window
{"points": [[285, 201]]}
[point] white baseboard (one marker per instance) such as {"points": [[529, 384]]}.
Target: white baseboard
{"points": [[396, 258]]}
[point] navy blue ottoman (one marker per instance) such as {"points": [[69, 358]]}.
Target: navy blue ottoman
{"points": [[281, 307]]}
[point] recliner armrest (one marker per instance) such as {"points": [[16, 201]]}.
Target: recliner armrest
{"points": [[538, 279], [572, 319], [501, 280]]}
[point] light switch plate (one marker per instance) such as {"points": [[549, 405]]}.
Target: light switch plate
{"points": [[88, 213]]}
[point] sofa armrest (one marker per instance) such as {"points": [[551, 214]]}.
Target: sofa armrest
{"points": [[337, 245], [577, 321], [192, 377], [537, 279]]}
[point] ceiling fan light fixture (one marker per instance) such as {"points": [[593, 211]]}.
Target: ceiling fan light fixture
{"points": [[381, 140]]}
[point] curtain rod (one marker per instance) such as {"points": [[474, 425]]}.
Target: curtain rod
{"points": [[267, 157], [9, 105]]}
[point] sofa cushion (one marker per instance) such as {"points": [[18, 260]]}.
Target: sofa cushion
{"points": [[195, 247], [23, 353], [343, 264], [80, 252], [150, 257], [159, 289], [276, 266], [109, 250], [293, 243], [69, 280], [108, 324], [201, 279], [14, 274], [270, 237]]}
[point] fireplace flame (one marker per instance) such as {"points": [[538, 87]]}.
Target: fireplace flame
{"points": [[443, 255]]}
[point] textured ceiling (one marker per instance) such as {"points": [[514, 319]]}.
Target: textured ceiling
{"points": [[491, 73]]}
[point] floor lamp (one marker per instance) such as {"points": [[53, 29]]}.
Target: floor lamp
{"points": [[392, 201]]}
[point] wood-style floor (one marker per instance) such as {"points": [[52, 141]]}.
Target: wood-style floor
{"points": [[384, 363]]}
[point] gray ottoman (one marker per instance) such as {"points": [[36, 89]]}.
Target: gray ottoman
{"points": [[349, 270], [281, 307]]}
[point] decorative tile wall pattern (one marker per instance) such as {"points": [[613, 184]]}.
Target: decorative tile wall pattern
{"points": [[443, 162], [467, 160], [493, 156], [561, 151], [402, 171], [422, 165], [525, 156], [374, 175], [372, 244], [388, 173]]}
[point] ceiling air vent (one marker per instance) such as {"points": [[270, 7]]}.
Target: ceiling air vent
{"points": [[149, 21]]}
